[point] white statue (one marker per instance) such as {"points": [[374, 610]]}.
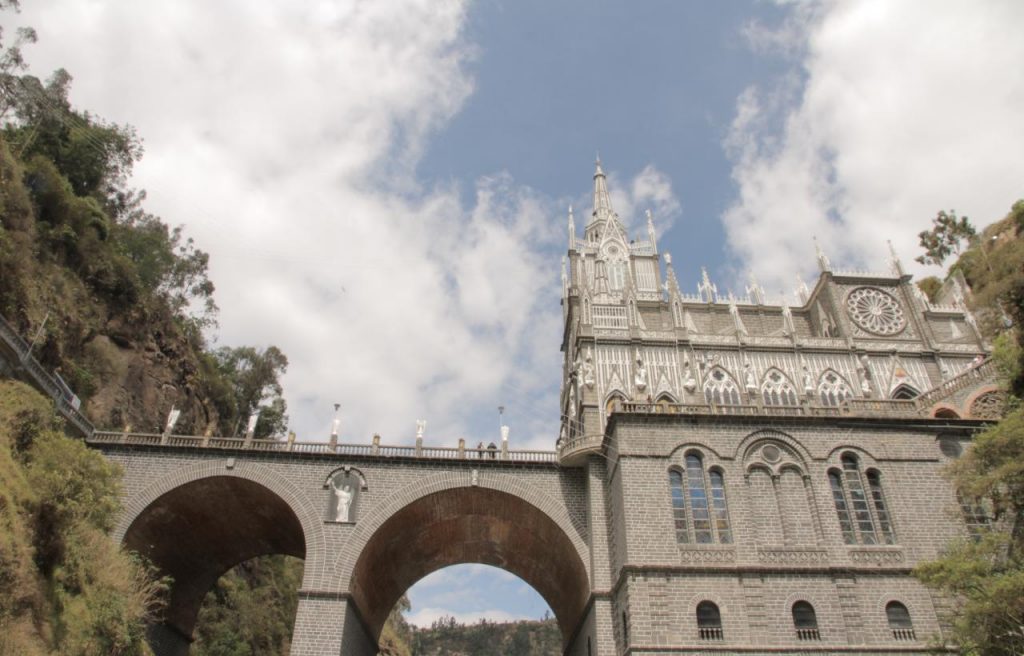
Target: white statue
{"points": [[344, 495], [748, 378], [641, 374], [808, 381], [689, 382], [588, 370], [421, 425]]}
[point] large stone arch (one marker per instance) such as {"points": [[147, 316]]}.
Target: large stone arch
{"points": [[197, 522], [462, 517]]}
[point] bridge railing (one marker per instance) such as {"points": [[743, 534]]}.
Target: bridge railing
{"points": [[984, 371], [39, 378], [321, 448]]}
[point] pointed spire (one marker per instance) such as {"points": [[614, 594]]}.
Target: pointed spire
{"points": [[754, 290], [802, 292], [894, 260], [565, 280], [602, 201], [650, 232], [706, 288], [737, 321], [787, 319], [572, 230], [671, 283], [823, 262]]}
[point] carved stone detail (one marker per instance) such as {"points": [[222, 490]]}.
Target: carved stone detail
{"points": [[876, 557], [784, 556]]}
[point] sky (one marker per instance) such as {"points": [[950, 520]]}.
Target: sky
{"points": [[383, 186]]}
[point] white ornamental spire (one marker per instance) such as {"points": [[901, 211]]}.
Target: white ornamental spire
{"points": [[706, 288], [894, 260], [823, 262], [572, 230], [650, 232], [801, 290], [602, 201], [754, 291]]}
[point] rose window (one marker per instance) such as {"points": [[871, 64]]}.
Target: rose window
{"points": [[875, 311]]}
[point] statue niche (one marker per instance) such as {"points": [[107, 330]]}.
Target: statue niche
{"points": [[345, 487]]}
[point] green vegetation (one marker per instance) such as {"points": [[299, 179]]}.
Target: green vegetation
{"points": [[64, 586], [251, 609], [945, 237], [447, 637], [986, 574]]}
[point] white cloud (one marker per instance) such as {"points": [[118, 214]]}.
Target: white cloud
{"points": [[285, 138], [897, 110]]}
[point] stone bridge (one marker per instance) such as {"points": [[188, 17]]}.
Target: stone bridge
{"points": [[198, 506]]}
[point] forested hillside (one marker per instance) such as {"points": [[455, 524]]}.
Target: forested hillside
{"points": [[985, 574]]}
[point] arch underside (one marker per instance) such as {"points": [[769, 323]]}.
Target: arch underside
{"points": [[469, 525], [198, 531]]}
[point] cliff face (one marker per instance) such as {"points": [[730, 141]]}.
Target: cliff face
{"points": [[74, 278]]}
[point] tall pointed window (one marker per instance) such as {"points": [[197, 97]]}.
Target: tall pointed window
{"points": [[862, 510], [700, 513], [698, 499], [842, 510], [833, 389], [675, 481], [777, 390], [719, 506], [721, 389], [878, 500], [616, 274]]}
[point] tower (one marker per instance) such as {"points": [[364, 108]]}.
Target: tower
{"points": [[767, 475]]}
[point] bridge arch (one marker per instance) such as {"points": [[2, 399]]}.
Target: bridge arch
{"points": [[466, 517], [198, 522]]}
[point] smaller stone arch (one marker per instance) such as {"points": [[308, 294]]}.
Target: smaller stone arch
{"points": [[703, 448], [989, 402], [833, 388], [721, 388], [944, 411], [866, 457], [611, 398], [904, 392], [751, 442], [778, 389]]}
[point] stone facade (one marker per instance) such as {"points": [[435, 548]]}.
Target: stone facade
{"points": [[730, 476]]}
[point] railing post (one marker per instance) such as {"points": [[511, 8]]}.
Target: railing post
{"points": [[375, 449], [419, 447], [462, 448], [291, 440]]}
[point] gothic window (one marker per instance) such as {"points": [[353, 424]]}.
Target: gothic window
{"points": [[905, 392], [692, 506], [805, 621], [858, 499], [777, 390], [842, 510], [721, 389], [875, 311], [990, 405], [719, 506], [675, 480], [833, 389], [698, 499], [899, 621], [881, 512], [616, 274], [709, 621]]}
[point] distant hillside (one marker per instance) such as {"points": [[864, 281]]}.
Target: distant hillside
{"points": [[449, 638]]}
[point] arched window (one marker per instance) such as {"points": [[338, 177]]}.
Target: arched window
{"points": [[905, 392], [675, 482], [693, 508], [616, 274], [881, 512], [777, 390], [805, 621], [721, 509], [833, 389], [862, 511], [899, 621], [709, 621], [698, 499], [609, 405], [835, 481], [858, 499], [721, 389]]}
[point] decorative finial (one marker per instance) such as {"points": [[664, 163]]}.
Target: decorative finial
{"points": [[823, 262], [894, 259]]}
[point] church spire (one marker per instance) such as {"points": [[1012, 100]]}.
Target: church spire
{"points": [[602, 201]]}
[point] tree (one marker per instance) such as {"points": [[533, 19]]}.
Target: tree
{"points": [[944, 239], [985, 575], [246, 379]]}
